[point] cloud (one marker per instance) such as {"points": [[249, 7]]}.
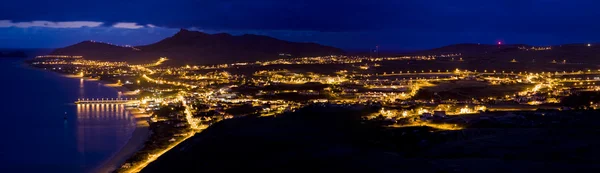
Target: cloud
{"points": [[14, 37], [128, 25], [151, 25], [49, 24]]}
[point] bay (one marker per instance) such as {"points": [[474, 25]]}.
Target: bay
{"points": [[36, 135]]}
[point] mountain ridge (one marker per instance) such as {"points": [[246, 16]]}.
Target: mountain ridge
{"points": [[193, 47], [200, 48], [572, 52]]}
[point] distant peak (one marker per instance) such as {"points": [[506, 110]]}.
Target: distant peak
{"points": [[88, 42], [183, 30], [187, 33]]}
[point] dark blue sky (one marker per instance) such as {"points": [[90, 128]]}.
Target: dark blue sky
{"points": [[349, 24]]}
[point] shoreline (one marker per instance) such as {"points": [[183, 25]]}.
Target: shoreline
{"points": [[138, 137], [118, 88]]}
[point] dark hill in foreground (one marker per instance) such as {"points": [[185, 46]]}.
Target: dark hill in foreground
{"points": [[325, 139], [192, 47], [321, 141]]}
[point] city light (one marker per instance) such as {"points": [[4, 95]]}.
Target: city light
{"points": [[356, 81]]}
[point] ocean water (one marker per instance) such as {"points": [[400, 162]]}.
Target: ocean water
{"points": [[35, 135]]}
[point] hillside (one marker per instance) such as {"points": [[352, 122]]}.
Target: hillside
{"points": [[320, 140], [192, 47], [573, 53], [334, 139], [97, 51]]}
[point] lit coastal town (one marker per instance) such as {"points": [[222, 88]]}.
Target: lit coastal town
{"points": [[407, 91], [311, 86]]}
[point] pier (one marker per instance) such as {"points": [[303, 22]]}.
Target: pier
{"points": [[106, 101]]}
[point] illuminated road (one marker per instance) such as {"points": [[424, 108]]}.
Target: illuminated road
{"points": [[153, 157], [188, 114], [377, 87], [193, 125], [167, 82]]}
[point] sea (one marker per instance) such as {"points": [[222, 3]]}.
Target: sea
{"points": [[41, 128]]}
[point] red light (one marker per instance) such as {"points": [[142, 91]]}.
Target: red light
{"points": [[499, 43]]}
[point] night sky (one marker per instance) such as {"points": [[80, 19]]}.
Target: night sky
{"points": [[349, 24]]}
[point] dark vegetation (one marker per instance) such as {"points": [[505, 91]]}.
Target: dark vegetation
{"points": [[295, 97], [243, 109], [279, 91], [250, 89], [581, 100], [469, 92]]}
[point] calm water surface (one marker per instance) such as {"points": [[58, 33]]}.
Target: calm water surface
{"points": [[36, 138]]}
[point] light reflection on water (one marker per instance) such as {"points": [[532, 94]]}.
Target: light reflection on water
{"points": [[100, 128], [38, 138], [96, 122], [81, 87], [90, 118]]}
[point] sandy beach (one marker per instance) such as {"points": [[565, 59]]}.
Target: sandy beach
{"points": [[136, 142]]}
